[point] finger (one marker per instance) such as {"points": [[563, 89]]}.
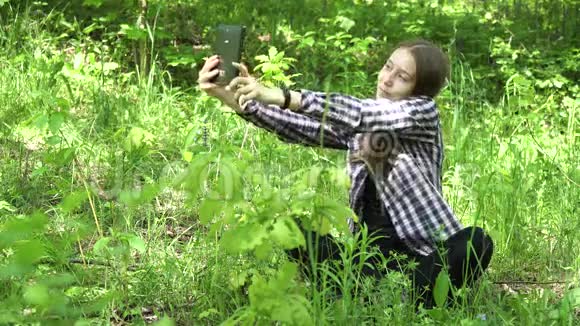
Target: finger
{"points": [[212, 57], [210, 64], [244, 105], [242, 101], [238, 82], [253, 95], [207, 76], [244, 98], [242, 68], [246, 89], [237, 96]]}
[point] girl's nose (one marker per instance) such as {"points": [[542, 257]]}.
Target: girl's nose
{"points": [[388, 79]]}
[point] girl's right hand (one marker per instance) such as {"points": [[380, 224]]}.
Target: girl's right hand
{"points": [[226, 96], [206, 74]]}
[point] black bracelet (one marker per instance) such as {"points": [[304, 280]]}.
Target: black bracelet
{"points": [[286, 93]]}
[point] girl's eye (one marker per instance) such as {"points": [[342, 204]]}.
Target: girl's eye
{"points": [[402, 78]]}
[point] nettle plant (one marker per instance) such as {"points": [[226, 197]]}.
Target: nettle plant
{"points": [[33, 292], [335, 56], [533, 77], [249, 215], [274, 66]]}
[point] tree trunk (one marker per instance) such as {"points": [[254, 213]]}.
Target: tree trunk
{"points": [[143, 60], [575, 20], [564, 19], [537, 20]]}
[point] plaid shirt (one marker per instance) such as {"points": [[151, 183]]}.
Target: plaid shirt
{"points": [[408, 178]]}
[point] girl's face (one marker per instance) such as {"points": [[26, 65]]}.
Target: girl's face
{"points": [[397, 78]]}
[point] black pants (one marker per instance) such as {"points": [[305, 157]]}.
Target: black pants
{"points": [[466, 255]]}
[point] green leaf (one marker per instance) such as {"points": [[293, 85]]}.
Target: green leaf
{"points": [[574, 297], [59, 280], [195, 175], [229, 182], [37, 295], [73, 201], [308, 41], [6, 206], [21, 262], [137, 243], [187, 156], [272, 52], [101, 245], [285, 275], [441, 288], [165, 321], [243, 237], [286, 232], [53, 140], [78, 61], [238, 278], [336, 213], [345, 23], [436, 314], [262, 58], [21, 228], [208, 209], [320, 225], [138, 138], [55, 122], [93, 3], [41, 121], [207, 313], [133, 32], [64, 156], [570, 302], [109, 66], [134, 198], [28, 252], [263, 250]]}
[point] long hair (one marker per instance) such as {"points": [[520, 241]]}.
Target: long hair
{"points": [[432, 67]]}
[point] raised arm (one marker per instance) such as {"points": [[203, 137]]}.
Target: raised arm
{"points": [[293, 127], [416, 115], [288, 126], [348, 115]]}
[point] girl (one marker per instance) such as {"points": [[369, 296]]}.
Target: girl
{"points": [[395, 154]]}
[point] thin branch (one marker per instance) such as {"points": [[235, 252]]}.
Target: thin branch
{"points": [[531, 282], [87, 262]]}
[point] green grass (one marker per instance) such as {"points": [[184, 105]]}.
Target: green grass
{"points": [[118, 146]]}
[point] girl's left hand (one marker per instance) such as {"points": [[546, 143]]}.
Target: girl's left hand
{"points": [[247, 88]]}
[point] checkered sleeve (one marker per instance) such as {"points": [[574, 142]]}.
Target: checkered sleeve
{"points": [[417, 115], [293, 127]]}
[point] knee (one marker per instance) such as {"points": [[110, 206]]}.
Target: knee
{"points": [[480, 239], [481, 242]]}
